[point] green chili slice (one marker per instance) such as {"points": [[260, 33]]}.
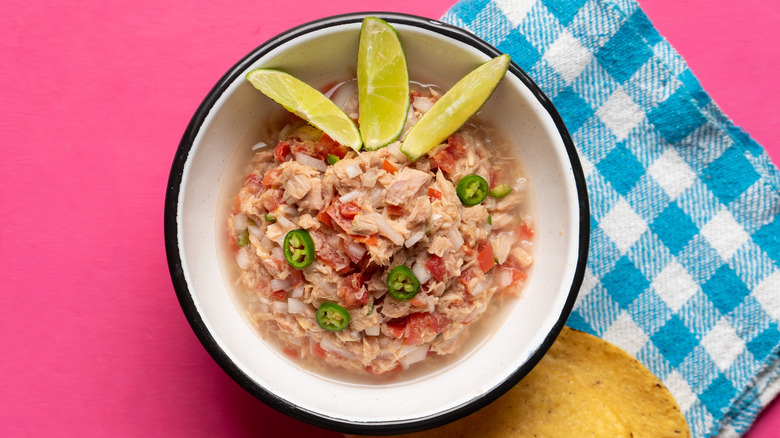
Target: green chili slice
{"points": [[500, 191], [298, 248], [270, 218], [333, 159], [243, 238], [402, 284], [472, 189], [332, 317]]}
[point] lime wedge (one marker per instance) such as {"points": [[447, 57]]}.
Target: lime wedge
{"points": [[383, 84], [307, 103], [453, 109]]}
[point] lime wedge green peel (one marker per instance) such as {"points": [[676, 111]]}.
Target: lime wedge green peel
{"points": [[453, 109], [383, 84], [307, 103]]}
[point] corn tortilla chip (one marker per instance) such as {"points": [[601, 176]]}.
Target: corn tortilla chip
{"points": [[583, 387]]}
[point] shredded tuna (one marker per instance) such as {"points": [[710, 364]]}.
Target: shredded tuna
{"points": [[366, 214]]}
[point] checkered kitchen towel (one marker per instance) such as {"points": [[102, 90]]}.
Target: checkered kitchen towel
{"points": [[684, 263]]}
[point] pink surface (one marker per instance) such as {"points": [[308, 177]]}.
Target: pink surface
{"points": [[96, 96]]}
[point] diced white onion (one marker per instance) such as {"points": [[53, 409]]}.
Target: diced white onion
{"points": [[242, 259], [421, 272], [277, 284], [386, 229], [311, 161], [502, 244], [435, 217], [456, 239], [478, 290], [295, 306], [353, 170], [351, 196], [297, 292], [413, 355], [422, 104], [343, 94], [504, 277], [259, 145], [356, 250], [328, 345], [255, 231], [240, 222], [414, 238], [279, 306], [373, 331], [287, 224]]}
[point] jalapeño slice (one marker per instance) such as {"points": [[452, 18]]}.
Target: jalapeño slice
{"points": [[402, 284], [500, 190], [298, 248], [472, 189], [332, 317]]}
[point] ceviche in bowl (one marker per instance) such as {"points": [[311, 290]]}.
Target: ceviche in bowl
{"points": [[376, 223]]}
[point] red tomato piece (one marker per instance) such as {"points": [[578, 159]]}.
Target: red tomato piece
{"points": [[271, 199], [388, 167], [352, 292], [434, 194], [329, 253], [282, 151], [421, 327], [444, 161], [485, 256], [395, 210], [334, 211], [456, 146], [271, 177], [279, 295], [349, 209], [435, 265]]}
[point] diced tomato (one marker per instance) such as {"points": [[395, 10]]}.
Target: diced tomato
{"points": [[352, 292], [326, 145], [518, 274], [290, 351], [525, 231], [421, 327], [282, 151], [318, 351], [296, 276], [271, 199], [397, 326], [466, 276], [324, 217], [349, 209], [271, 176], [366, 240], [252, 180], [279, 295], [485, 256], [388, 167], [435, 265], [395, 210], [492, 178], [413, 95], [334, 211], [328, 253], [443, 160], [456, 146], [433, 194]]}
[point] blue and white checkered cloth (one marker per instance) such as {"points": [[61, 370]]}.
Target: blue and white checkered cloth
{"points": [[684, 263]]}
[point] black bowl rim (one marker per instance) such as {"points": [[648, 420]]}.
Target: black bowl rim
{"points": [[221, 357]]}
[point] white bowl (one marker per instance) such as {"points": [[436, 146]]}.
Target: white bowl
{"points": [[210, 150]]}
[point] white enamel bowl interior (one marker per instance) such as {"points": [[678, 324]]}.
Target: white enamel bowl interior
{"points": [[511, 349]]}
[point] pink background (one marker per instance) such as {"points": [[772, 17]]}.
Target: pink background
{"points": [[95, 97]]}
